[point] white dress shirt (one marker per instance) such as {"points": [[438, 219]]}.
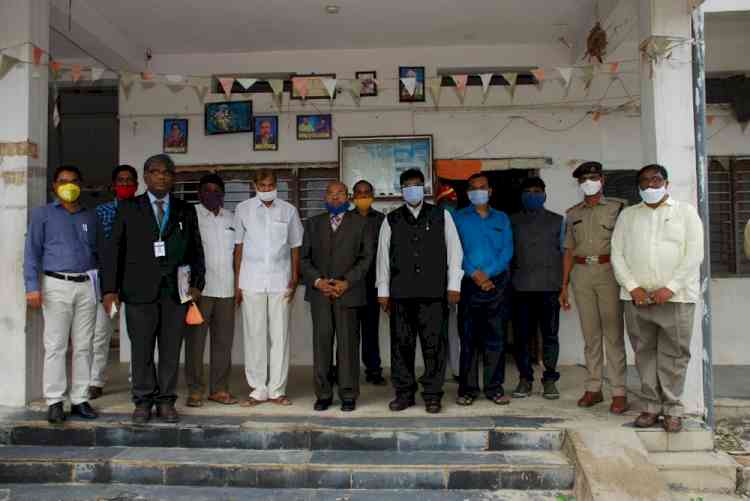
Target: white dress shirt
{"points": [[655, 248], [218, 237], [267, 234], [152, 198], [452, 243]]}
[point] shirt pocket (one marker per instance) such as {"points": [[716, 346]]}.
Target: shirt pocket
{"points": [[228, 237], [673, 231], [279, 232]]}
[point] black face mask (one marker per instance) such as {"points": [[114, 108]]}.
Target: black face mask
{"points": [[212, 200]]}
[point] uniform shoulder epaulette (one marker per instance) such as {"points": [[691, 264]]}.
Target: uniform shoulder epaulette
{"points": [[621, 201], [574, 207]]}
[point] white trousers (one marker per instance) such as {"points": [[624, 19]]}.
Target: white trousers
{"points": [[265, 322], [69, 311], [102, 341]]}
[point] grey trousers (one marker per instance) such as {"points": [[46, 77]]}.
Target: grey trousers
{"points": [[218, 314], [660, 335]]}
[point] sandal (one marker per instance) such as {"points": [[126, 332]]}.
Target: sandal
{"points": [[251, 402], [282, 400], [465, 400], [500, 399], [223, 397], [195, 400]]}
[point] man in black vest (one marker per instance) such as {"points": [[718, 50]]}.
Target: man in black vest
{"points": [[419, 260], [537, 274]]}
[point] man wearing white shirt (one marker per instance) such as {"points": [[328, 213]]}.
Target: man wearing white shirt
{"points": [[657, 250], [419, 261], [266, 262], [216, 225]]}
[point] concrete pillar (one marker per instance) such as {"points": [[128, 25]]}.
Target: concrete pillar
{"points": [[667, 135], [23, 180]]}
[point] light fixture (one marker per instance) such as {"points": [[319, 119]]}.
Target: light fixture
{"points": [[332, 9]]}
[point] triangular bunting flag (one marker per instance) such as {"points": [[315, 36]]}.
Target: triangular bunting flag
{"points": [[54, 67], [147, 76], [126, 83], [75, 72], [226, 85], [614, 68], [356, 91], [435, 85], [246, 83], [201, 90], [96, 73], [175, 79], [460, 81], [511, 78], [6, 64], [596, 116], [277, 85], [539, 76], [410, 84], [330, 85], [486, 81], [565, 75], [36, 55], [300, 86]]}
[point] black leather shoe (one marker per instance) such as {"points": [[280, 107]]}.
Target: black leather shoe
{"points": [[433, 407], [83, 410], [348, 405], [167, 413], [322, 404], [376, 379], [142, 414], [401, 403], [56, 413]]}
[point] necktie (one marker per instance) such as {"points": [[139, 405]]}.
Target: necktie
{"points": [[336, 221], [159, 212]]}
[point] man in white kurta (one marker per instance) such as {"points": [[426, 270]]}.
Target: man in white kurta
{"points": [[269, 235], [657, 250]]}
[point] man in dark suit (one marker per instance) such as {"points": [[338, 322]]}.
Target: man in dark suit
{"points": [[153, 236], [337, 250]]}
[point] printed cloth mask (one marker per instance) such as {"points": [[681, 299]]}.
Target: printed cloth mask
{"points": [[69, 192]]}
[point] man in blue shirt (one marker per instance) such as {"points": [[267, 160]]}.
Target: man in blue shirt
{"points": [[124, 184], [488, 248], [60, 262]]}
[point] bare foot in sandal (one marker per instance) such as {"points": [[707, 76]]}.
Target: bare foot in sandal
{"points": [[195, 400], [223, 397], [282, 400], [251, 402]]}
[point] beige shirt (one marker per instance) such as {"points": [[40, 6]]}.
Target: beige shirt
{"points": [[588, 230], [267, 235], [218, 237], [662, 247]]}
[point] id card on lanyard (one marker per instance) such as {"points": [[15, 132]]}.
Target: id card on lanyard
{"points": [[160, 248]]}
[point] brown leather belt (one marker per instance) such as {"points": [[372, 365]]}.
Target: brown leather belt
{"points": [[592, 259]]}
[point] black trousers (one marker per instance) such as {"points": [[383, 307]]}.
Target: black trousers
{"points": [[368, 325], [532, 311], [484, 316], [423, 319], [333, 321], [162, 324]]}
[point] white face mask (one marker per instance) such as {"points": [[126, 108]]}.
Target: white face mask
{"points": [[653, 195], [267, 196], [590, 188]]}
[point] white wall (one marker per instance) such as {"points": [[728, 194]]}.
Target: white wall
{"points": [[614, 140]]}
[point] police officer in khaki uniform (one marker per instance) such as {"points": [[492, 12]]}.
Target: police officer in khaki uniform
{"points": [[586, 264]]}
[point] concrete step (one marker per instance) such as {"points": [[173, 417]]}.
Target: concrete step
{"points": [[278, 469], [713, 472], [93, 492], [694, 437], [402, 434]]}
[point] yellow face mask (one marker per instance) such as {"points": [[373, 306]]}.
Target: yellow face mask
{"points": [[363, 203], [69, 192]]}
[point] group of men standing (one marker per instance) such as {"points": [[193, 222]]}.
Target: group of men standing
{"points": [[415, 263]]}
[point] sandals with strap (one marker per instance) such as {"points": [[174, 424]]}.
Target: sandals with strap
{"points": [[195, 401], [282, 400], [500, 399], [223, 397], [251, 402]]}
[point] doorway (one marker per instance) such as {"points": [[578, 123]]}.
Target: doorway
{"points": [[506, 189]]}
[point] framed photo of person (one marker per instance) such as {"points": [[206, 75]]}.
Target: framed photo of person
{"points": [[314, 127], [416, 72], [369, 83], [229, 117], [175, 138], [266, 133]]}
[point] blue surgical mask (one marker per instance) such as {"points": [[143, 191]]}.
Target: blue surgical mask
{"points": [[413, 195], [335, 211], [479, 197], [533, 201]]}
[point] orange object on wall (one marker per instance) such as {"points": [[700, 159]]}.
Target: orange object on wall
{"points": [[457, 170]]}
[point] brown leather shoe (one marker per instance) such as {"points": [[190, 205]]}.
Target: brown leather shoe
{"points": [[167, 413], [590, 398], [646, 420], [672, 424], [619, 405]]}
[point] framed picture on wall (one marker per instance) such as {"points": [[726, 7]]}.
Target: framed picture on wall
{"points": [[416, 72], [175, 136], [314, 127], [314, 84], [265, 133], [369, 83], [229, 117]]}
